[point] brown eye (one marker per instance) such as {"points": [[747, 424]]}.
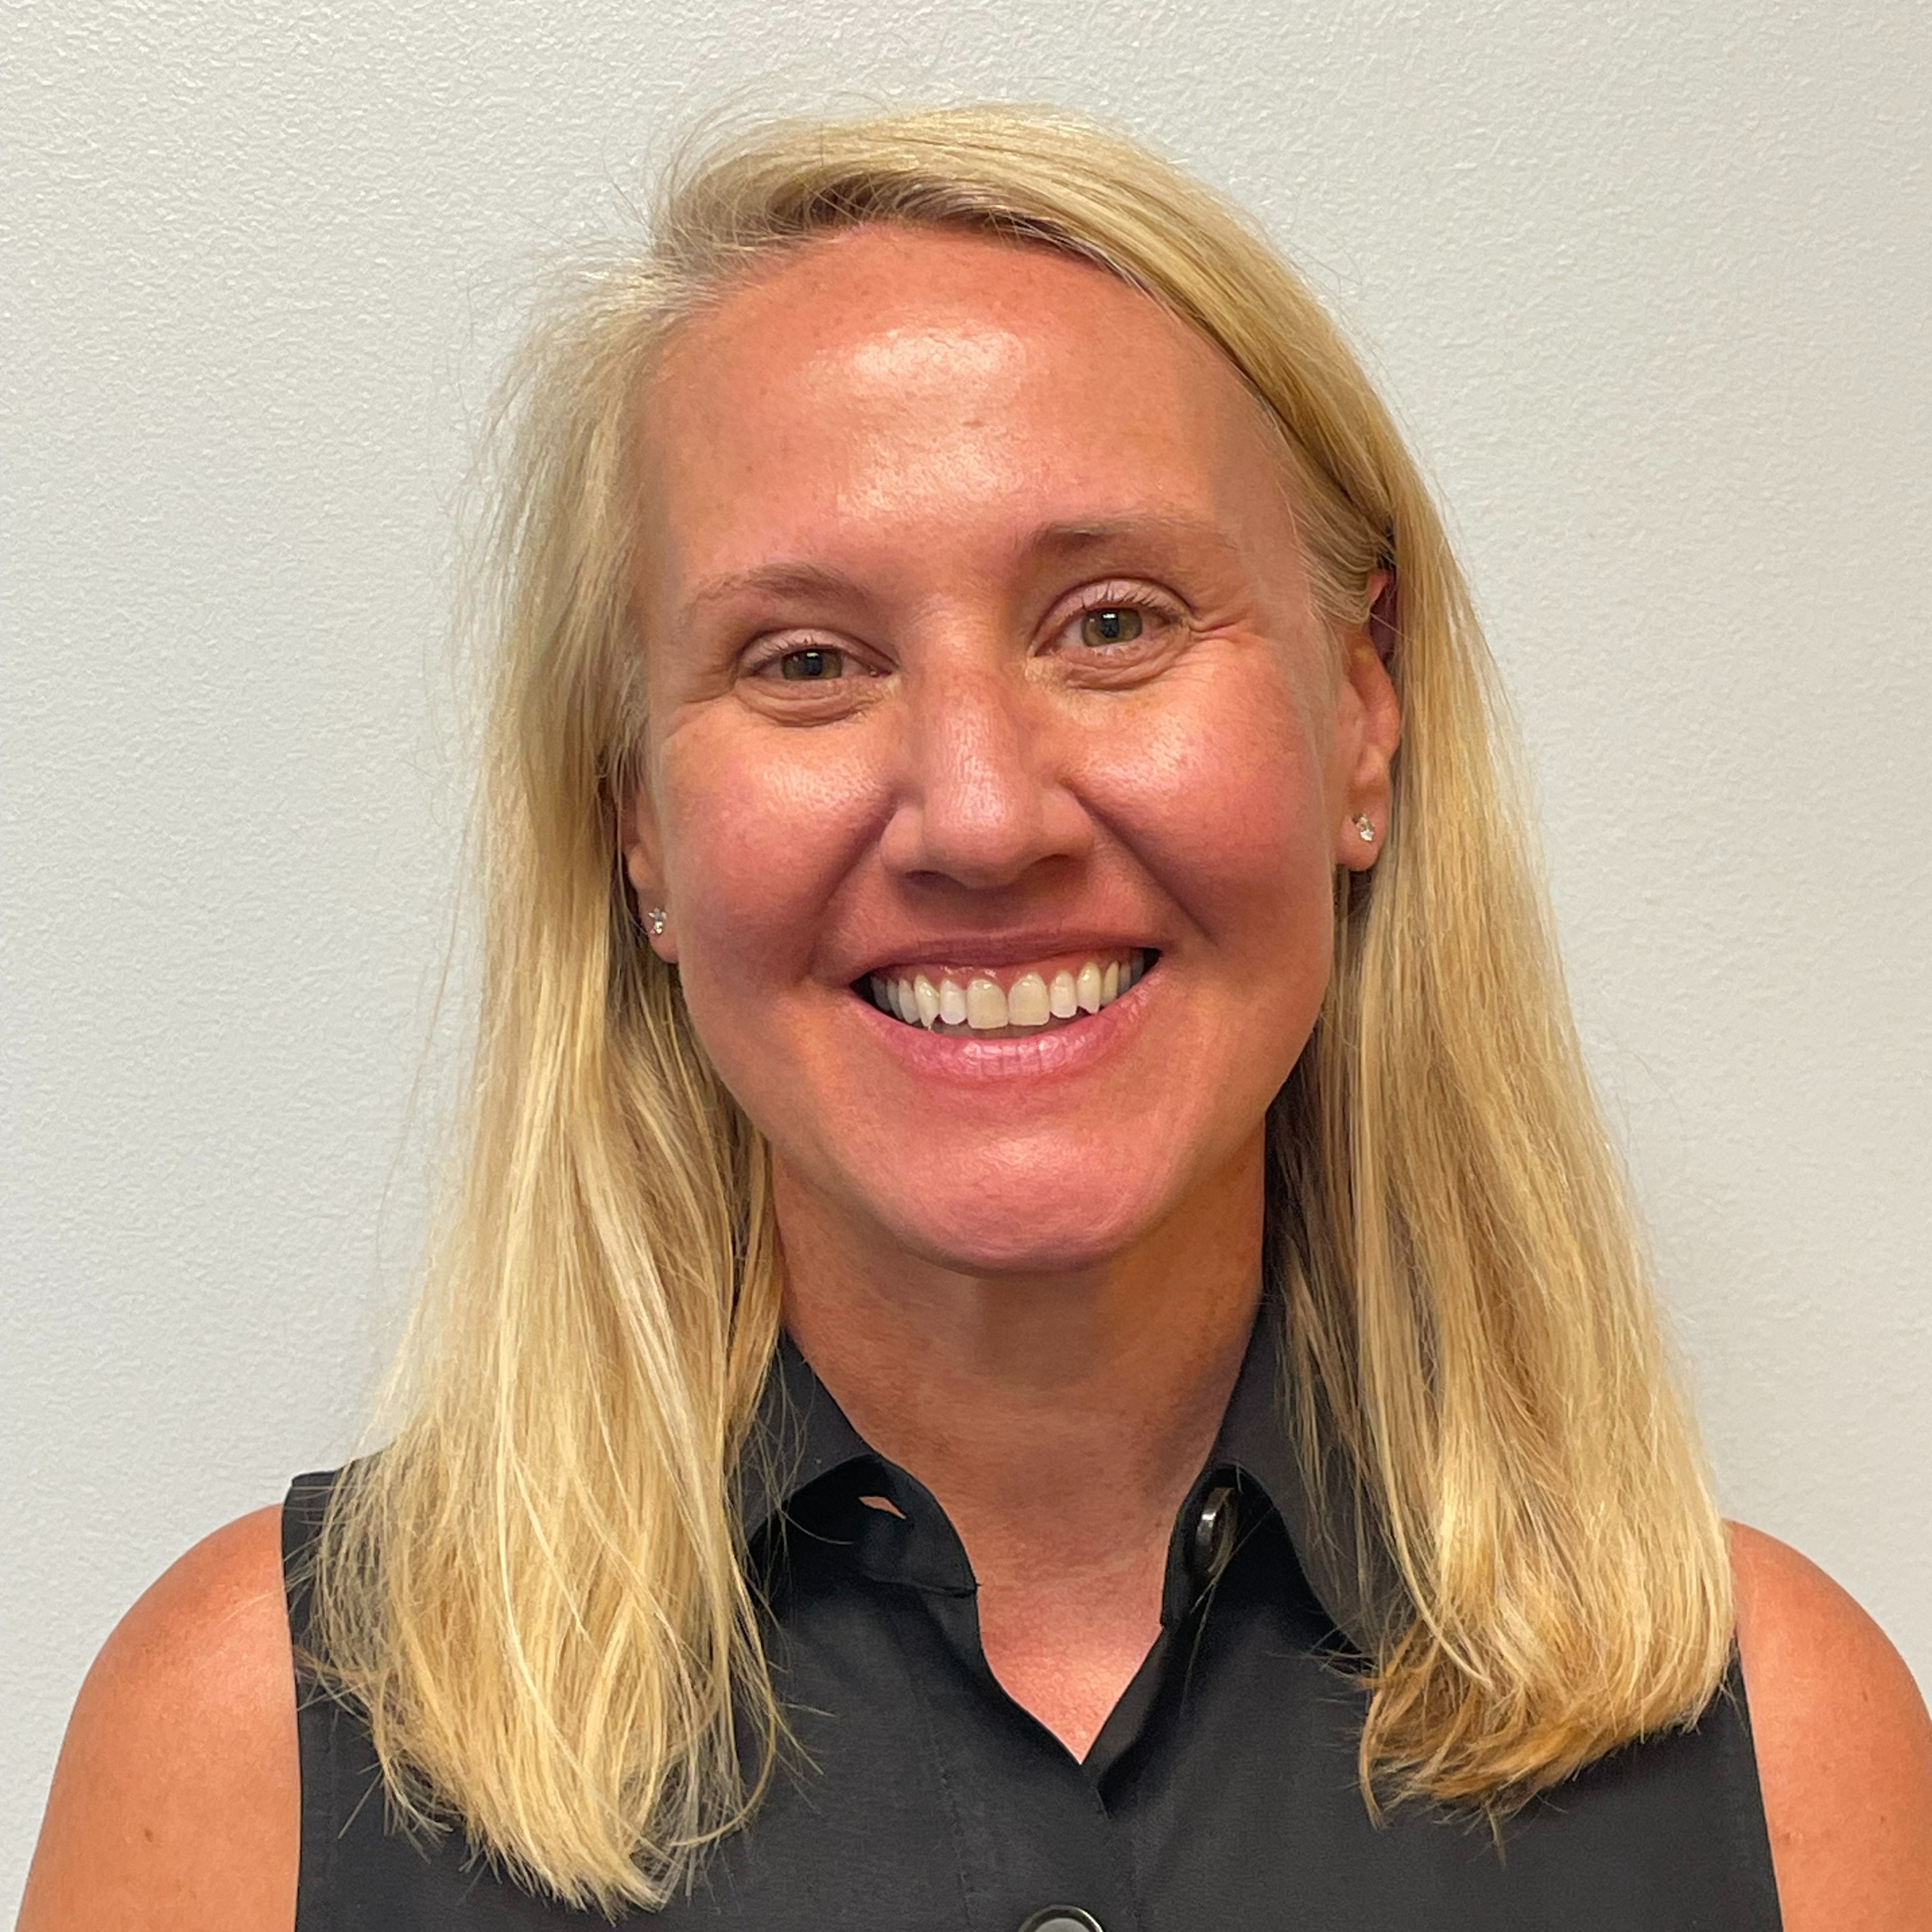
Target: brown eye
{"points": [[812, 665], [1112, 624]]}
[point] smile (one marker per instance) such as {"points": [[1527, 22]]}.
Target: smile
{"points": [[1005, 1003]]}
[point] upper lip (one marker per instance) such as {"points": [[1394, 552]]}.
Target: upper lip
{"points": [[1005, 949]]}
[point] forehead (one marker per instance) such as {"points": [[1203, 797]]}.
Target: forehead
{"points": [[911, 364]]}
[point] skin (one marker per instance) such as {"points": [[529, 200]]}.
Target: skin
{"points": [[1026, 1268]]}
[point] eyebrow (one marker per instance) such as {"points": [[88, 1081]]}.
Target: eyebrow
{"points": [[798, 578], [1096, 534], [772, 580]]}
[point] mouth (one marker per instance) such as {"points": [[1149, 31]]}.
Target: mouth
{"points": [[1017, 1002]]}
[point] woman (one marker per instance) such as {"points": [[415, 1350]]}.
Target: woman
{"points": [[1040, 1330]]}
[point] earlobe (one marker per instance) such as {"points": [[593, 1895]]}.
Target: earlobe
{"points": [[641, 869], [1377, 731], [656, 921], [637, 830], [1358, 845]]}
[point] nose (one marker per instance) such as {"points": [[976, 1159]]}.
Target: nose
{"points": [[983, 797]]}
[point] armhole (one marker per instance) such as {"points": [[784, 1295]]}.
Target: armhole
{"points": [[317, 1712], [1744, 1800]]}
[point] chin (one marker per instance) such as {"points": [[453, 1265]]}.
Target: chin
{"points": [[1017, 1224]]}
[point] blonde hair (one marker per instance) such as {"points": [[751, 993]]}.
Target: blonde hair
{"points": [[537, 1589]]}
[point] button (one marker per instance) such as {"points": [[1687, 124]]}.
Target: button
{"points": [[1063, 1918], [1213, 1541]]}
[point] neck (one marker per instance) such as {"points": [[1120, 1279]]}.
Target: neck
{"points": [[1061, 1412]]}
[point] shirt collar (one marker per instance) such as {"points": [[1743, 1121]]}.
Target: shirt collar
{"points": [[800, 1434], [1343, 1566]]}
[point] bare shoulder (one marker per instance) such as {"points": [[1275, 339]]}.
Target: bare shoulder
{"points": [[1844, 1748], [176, 1802]]}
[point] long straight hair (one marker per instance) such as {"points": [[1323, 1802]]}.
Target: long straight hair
{"points": [[536, 1590]]}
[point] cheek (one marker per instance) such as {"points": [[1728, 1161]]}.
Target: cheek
{"points": [[758, 837], [1224, 801]]}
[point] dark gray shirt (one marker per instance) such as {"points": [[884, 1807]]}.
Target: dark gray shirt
{"points": [[1220, 1794]]}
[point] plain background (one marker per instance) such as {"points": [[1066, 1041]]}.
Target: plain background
{"points": [[1648, 284]]}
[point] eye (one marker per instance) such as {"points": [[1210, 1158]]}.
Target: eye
{"points": [[1120, 624], [1110, 624], [814, 665], [807, 676]]}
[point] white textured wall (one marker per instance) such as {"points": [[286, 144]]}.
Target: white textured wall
{"points": [[1650, 285]]}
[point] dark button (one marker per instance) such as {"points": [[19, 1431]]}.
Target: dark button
{"points": [[1213, 1541], [1063, 1918]]}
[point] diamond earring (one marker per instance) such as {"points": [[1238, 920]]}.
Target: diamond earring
{"points": [[1365, 825], [654, 918]]}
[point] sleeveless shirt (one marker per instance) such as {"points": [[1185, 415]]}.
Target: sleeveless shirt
{"points": [[1221, 1793]]}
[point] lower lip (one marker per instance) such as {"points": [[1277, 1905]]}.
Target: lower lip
{"points": [[1053, 1053]]}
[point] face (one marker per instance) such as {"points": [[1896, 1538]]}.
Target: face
{"points": [[998, 762]]}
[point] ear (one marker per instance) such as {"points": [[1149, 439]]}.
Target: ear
{"points": [[638, 840], [1369, 728]]}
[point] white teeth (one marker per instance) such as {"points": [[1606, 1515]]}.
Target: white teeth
{"points": [[985, 1006], [1026, 1004], [1029, 1002]]}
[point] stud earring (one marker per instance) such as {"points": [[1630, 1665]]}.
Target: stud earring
{"points": [[1365, 825], [654, 918]]}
